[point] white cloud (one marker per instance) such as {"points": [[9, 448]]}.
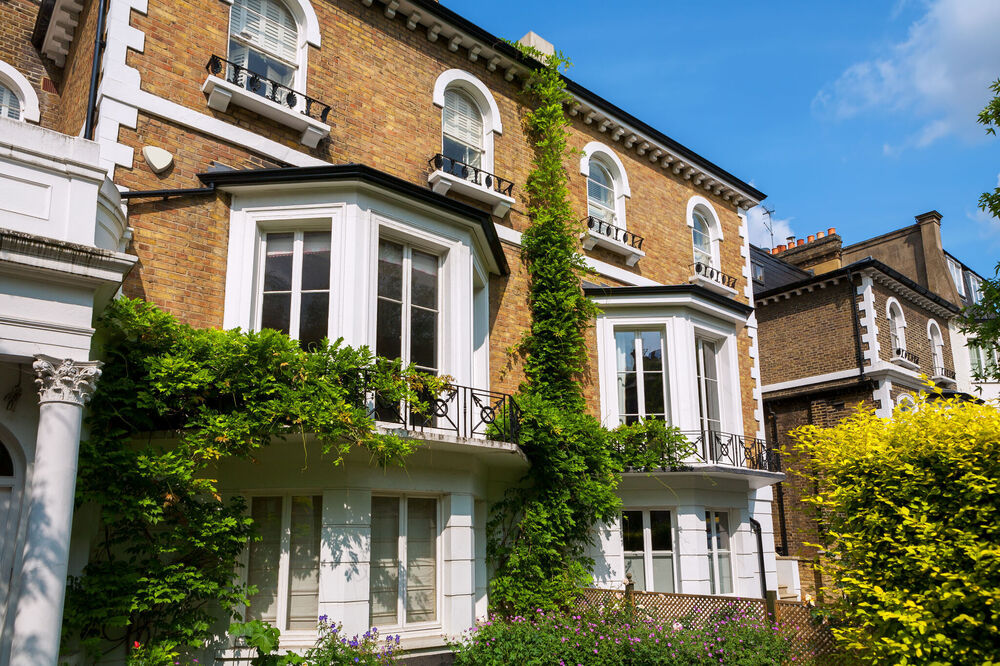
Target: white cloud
{"points": [[759, 234], [940, 74]]}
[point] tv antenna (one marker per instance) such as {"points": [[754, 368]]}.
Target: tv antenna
{"points": [[766, 219]]}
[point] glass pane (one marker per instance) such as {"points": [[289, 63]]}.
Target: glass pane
{"points": [[384, 584], [390, 270], [313, 318], [632, 531], [709, 359], [659, 525], [653, 385], [711, 573], [725, 574], [315, 260], [663, 573], [625, 350], [262, 567], [634, 565], [276, 312], [389, 329], [421, 560], [303, 562], [423, 338], [722, 530], [278, 262], [709, 517], [652, 350], [628, 393], [424, 280], [600, 194], [459, 152]]}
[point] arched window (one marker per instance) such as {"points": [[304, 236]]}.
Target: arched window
{"points": [[601, 193], [264, 38], [462, 129], [18, 100], [706, 232], [937, 346], [897, 328], [10, 105]]}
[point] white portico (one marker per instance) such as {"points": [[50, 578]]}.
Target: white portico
{"points": [[62, 236]]}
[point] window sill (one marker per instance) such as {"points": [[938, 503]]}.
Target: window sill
{"points": [[593, 239], [944, 379], [900, 361], [222, 93], [712, 285], [443, 182]]}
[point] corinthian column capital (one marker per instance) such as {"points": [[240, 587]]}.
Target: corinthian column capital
{"points": [[65, 380]]}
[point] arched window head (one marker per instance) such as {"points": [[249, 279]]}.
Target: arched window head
{"points": [[937, 345], [897, 327], [462, 129], [264, 39], [706, 232], [10, 105], [18, 100], [601, 193]]}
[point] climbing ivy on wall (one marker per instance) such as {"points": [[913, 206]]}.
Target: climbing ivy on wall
{"points": [[164, 565], [540, 531]]}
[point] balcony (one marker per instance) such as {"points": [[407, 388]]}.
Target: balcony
{"points": [[725, 450], [460, 411], [451, 175], [620, 241], [943, 375], [904, 358], [230, 83], [713, 279]]}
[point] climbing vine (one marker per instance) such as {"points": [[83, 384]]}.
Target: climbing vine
{"points": [[540, 531], [164, 565]]}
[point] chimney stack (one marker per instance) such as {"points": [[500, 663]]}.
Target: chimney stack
{"points": [[534, 40], [819, 252]]}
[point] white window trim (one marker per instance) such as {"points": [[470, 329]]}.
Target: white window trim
{"points": [[639, 371], [957, 276], [705, 207], [890, 304], [714, 554], [483, 99], [647, 543], [20, 86], [305, 17], [977, 289], [289, 637], [296, 286], [610, 161], [936, 343], [404, 627]]}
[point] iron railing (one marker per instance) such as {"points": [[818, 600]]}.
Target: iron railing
{"points": [[899, 352], [460, 410], [473, 174], [714, 274], [724, 448], [602, 228], [267, 88], [940, 371]]}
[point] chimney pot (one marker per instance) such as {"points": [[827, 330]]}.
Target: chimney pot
{"points": [[800, 241], [831, 231], [820, 234], [780, 248], [790, 240], [810, 238]]}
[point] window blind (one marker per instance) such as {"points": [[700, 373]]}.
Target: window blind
{"points": [[10, 105], [462, 120], [266, 25]]}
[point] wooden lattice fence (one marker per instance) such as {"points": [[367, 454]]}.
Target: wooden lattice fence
{"points": [[812, 639]]}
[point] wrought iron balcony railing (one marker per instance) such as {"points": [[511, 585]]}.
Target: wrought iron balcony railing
{"points": [[714, 274], [723, 448], [459, 410], [599, 226], [941, 371], [473, 174], [900, 353], [267, 88]]}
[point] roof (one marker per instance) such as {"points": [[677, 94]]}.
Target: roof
{"points": [[361, 173], [777, 273], [671, 289]]}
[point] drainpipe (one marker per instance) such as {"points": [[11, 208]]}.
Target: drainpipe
{"points": [[756, 529], [773, 427], [95, 70], [859, 353]]}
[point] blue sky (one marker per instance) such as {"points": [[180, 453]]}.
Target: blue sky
{"points": [[855, 115]]}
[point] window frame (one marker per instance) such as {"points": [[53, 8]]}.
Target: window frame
{"points": [[308, 34], [976, 289], [647, 546], [298, 227], [482, 97], [699, 341], [702, 206], [640, 385], [897, 327], [612, 164], [481, 148], [291, 636], [714, 570], [957, 276], [22, 89], [402, 626], [936, 339]]}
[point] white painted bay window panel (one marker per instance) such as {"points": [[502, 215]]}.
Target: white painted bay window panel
{"points": [[642, 377], [647, 545], [421, 560], [263, 566], [706, 356], [385, 561], [303, 561], [408, 305], [719, 552], [295, 285]]}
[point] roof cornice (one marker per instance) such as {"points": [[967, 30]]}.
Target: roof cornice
{"points": [[440, 23], [666, 295], [360, 173]]}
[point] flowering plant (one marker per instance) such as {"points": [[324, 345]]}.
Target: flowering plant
{"points": [[333, 648]]}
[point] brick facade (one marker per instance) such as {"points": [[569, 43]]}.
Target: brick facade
{"points": [[917, 340]]}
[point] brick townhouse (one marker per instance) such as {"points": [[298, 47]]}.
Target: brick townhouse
{"points": [[354, 169], [847, 325]]}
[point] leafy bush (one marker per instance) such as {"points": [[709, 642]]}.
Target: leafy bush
{"points": [[613, 640], [650, 445], [332, 648], [913, 519]]}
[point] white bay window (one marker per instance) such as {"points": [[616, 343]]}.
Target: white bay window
{"points": [[408, 305], [284, 564], [642, 377], [404, 557], [720, 563], [647, 543], [294, 295]]}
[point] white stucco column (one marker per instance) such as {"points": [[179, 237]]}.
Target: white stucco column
{"points": [[459, 561], [345, 558], [64, 386]]}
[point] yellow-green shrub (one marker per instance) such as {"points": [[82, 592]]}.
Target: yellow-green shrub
{"points": [[911, 506]]}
